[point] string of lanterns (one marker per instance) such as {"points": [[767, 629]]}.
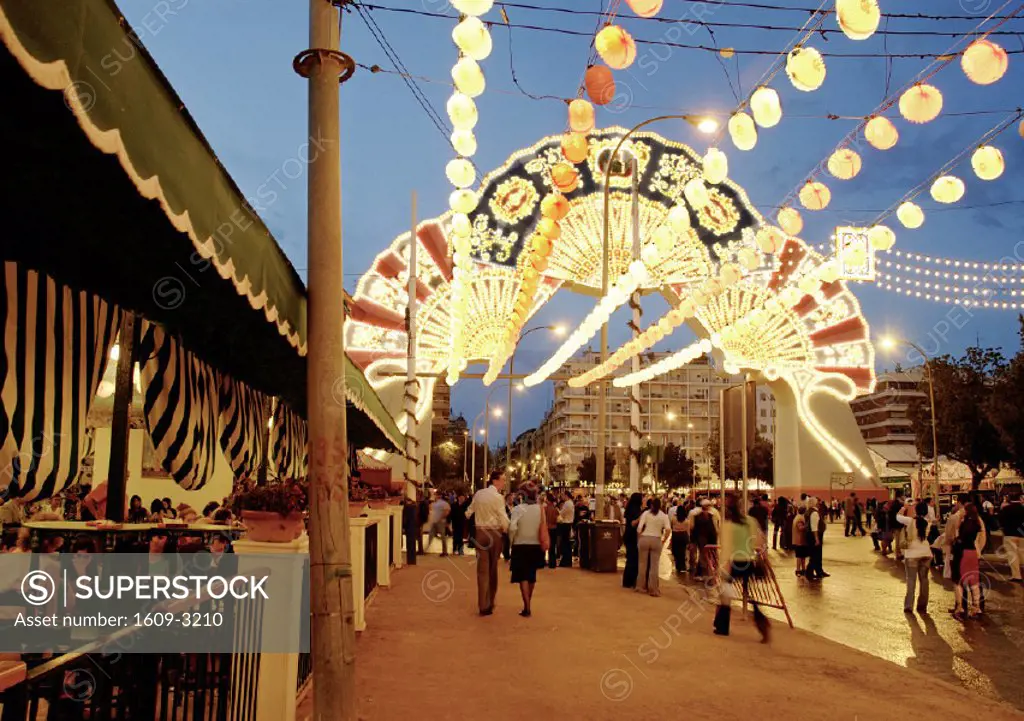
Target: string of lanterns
{"points": [[473, 40], [665, 365]]}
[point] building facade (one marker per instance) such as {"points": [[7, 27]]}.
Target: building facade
{"points": [[882, 416], [681, 408]]}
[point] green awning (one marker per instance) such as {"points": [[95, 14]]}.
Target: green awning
{"points": [[113, 189]]}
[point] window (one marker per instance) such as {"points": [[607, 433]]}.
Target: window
{"points": [[764, 413]]}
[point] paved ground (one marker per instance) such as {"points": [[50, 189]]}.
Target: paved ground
{"points": [[594, 650]]}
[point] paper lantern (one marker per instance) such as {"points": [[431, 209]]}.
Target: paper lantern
{"points": [[461, 227], [880, 133], [984, 62], [742, 131], [730, 274], [769, 239], [462, 201], [829, 272], [766, 107], [549, 228], [921, 104], [844, 164], [460, 172], [645, 8], [790, 221], [665, 326], [472, 7], [881, 237], [473, 38], [1020, 129], [696, 193], [468, 77], [716, 166], [464, 143], [749, 258], [462, 111], [988, 162], [806, 69], [664, 240], [727, 53], [679, 218], [462, 244], [600, 84], [815, 195], [581, 116], [910, 215], [565, 177], [541, 245], [539, 262], [948, 189], [858, 19], [616, 47], [554, 206], [575, 147]]}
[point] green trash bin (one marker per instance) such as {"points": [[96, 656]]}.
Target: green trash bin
{"points": [[605, 539]]}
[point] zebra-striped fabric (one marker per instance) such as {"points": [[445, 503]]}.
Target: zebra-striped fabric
{"points": [[244, 413], [181, 407], [56, 344], [289, 443]]}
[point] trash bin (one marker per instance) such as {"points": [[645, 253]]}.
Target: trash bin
{"points": [[605, 539], [584, 542]]}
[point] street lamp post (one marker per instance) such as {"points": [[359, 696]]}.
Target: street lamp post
{"points": [[465, 452], [705, 125], [890, 343], [557, 330]]}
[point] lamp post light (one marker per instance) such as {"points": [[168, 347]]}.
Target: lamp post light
{"points": [[889, 343], [487, 431], [465, 453], [558, 330], [703, 124]]}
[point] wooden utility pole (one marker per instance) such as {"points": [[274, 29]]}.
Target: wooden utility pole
{"points": [[332, 627]]}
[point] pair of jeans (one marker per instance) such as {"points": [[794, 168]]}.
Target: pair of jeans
{"points": [[917, 571], [649, 548]]}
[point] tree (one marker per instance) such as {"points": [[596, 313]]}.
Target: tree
{"points": [[1006, 406], [965, 394], [586, 471], [676, 469], [445, 461], [733, 461], [760, 459]]}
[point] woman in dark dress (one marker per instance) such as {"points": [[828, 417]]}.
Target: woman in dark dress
{"points": [[458, 520], [631, 517]]}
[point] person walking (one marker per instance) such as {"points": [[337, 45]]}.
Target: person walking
{"points": [[631, 518], [437, 522], [458, 519], [1011, 520], [704, 533], [816, 536], [971, 537], [848, 514], [858, 515], [491, 523], [653, 529], [778, 515], [528, 537], [680, 536], [800, 537], [759, 512], [741, 539], [565, 517], [917, 556], [551, 520]]}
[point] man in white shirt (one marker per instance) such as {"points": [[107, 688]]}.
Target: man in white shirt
{"points": [[491, 524], [566, 515]]}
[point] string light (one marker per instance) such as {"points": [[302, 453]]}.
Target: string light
{"points": [[666, 365]]}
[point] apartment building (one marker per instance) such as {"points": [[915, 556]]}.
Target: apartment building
{"points": [[681, 407], [882, 415]]}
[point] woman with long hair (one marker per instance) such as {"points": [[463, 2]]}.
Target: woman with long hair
{"points": [[653, 529], [741, 538], [917, 555], [631, 517], [680, 535], [970, 573]]}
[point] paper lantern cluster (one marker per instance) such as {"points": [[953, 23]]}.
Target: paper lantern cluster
{"points": [[473, 40]]}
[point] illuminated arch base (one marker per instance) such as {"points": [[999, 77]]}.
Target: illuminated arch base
{"points": [[783, 317]]}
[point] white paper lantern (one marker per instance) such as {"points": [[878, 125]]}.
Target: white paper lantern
{"points": [[716, 166], [988, 162], [464, 143], [881, 238], [858, 19], [806, 69], [921, 103], [984, 62], [462, 111], [461, 226], [742, 131], [749, 258], [615, 46], [880, 133], [581, 116], [645, 8], [815, 195], [468, 77], [844, 164], [948, 189], [463, 201], [679, 218], [829, 272], [910, 215], [766, 107], [473, 38], [790, 221], [472, 7], [769, 239], [460, 172], [696, 193], [664, 240], [730, 274]]}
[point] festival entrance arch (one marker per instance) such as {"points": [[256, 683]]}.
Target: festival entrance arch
{"points": [[760, 300]]}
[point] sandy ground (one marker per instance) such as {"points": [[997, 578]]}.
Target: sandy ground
{"points": [[596, 651]]}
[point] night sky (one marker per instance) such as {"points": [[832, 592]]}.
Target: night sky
{"points": [[230, 61]]}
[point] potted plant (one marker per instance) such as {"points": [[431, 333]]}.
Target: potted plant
{"points": [[273, 513]]}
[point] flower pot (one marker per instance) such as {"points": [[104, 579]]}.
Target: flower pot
{"points": [[272, 527]]}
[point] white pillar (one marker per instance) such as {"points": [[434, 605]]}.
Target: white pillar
{"points": [[357, 543], [396, 536], [383, 518], [278, 671]]}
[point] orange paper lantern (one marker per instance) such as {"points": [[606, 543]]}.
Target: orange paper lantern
{"points": [[984, 62], [575, 147], [541, 245], [539, 262], [549, 228], [790, 221], [616, 47], [600, 84], [815, 195], [921, 104], [880, 133], [554, 206], [581, 116], [565, 177], [645, 8]]}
